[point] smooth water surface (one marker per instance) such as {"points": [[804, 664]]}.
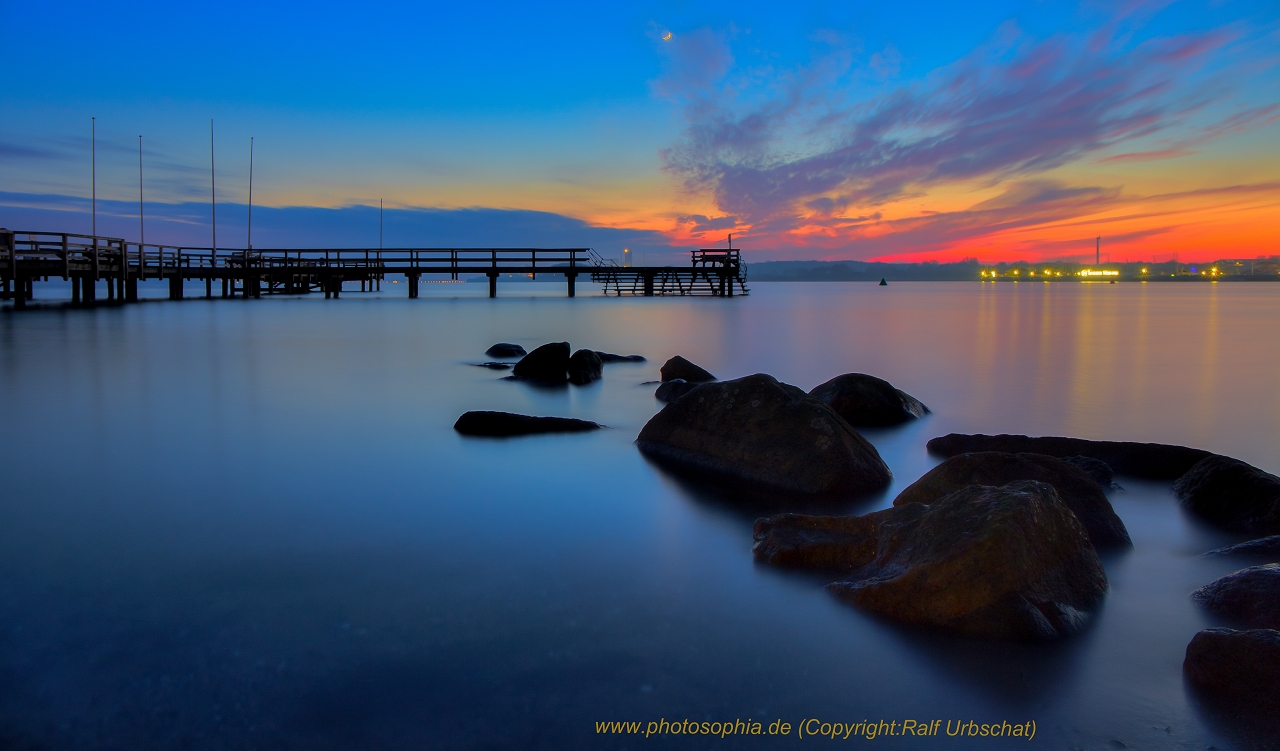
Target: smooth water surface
{"points": [[250, 525]]}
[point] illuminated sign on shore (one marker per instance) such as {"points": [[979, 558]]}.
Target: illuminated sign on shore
{"points": [[1099, 272]]}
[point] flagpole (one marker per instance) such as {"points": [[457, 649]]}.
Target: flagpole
{"points": [[213, 191], [249, 241], [142, 228]]}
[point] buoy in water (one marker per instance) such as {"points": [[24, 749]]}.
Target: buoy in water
{"points": [[883, 283]]}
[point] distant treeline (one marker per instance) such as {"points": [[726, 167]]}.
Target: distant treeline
{"points": [[861, 271]]}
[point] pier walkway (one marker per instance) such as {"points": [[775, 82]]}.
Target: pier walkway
{"points": [[85, 260]]}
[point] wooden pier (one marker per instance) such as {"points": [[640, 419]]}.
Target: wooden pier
{"points": [[85, 260]]}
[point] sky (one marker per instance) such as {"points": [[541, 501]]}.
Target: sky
{"points": [[910, 131]]}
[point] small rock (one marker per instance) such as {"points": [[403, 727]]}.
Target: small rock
{"points": [[1265, 547], [1155, 461], [1231, 494], [585, 367], [669, 391], [1249, 597], [678, 367], [502, 424], [493, 365], [1237, 668], [549, 363], [606, 357], [504, 349], [1078, 490], [1010, 563], [755, 433], [867, 401]]}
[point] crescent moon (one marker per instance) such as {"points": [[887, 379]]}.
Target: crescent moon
{"points": [[666, 37]]}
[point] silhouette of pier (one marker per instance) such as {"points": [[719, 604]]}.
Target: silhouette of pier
{"points": [[86, 260]]}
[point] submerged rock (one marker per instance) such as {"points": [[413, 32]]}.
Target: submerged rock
{"points": [[866, 401], [1231, 494], [606, 357], [1010, 563], [504, 349], [1265, 547], [1078, 490], [1156, 461], [502, 424], [585, 367], [1249, 597], [678, 367], [493, 365], [758, 434], [669, 391], [549, 363], [1239, 669]]}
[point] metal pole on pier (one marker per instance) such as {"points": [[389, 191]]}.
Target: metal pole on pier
{"points": [[249, 241], [142, 230], [93, 152], [213, 191]]}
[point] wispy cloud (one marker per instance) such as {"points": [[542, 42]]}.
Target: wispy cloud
{"points": [[805, 156]]}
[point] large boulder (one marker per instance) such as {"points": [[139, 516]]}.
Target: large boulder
{"points": [[678, 367], [584, 367], [1264, 547], [1099, 470], [549, 363], [505, 349], [1239, 669], [1010, 562], [1154, 461], [1249, 597], [866, 401], [759, 434], [669, 391], [1231, 494], [1077, 489], [503, 424]]}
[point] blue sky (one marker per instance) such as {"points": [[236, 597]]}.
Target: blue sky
{"points": [[585, 112]]}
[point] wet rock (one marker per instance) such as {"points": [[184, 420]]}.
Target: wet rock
{"points": [[504, 349], [867, 401], [669, 391], [1231, 494], [1265, 547], [1078, 491], [1155, 461], [493, 365], [502, 424], [549, 363], [606, 357], [757, 434], [1249, 597], [678, 367], [1010, 562], [1238, 668], [1099, 470], [585, 367]]}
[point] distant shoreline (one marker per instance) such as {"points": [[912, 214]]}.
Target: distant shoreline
{"points": [[1253, 269]]}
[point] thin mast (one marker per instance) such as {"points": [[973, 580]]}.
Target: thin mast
{"points": [[93, 157], [142, 230], [379, 224], [249, 242], [213, 190]]}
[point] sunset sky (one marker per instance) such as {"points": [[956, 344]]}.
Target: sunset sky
{"points": [[841, 130]]}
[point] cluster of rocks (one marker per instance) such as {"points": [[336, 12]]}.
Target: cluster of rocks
{"points": [[549, 364]]}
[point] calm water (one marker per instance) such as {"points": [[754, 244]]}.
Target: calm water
{"points": [[236, 525]]}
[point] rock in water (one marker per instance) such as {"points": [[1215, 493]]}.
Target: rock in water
{"points": [[1232, 494], [1249, 597], [1078, 490], [1099, 470], [502, 424], [1238, 668], [1154, 461], [1265, 547], [669, 391], [549, 363], [584, 367], [678, 367], [503, 349], [883, 283], [606, 357], [493, 365], [759, 434], [1010, 563], [867, 401]]}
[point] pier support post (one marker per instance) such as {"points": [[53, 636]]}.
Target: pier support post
{"points": [[90, 287], [111, 289], [175, 287], [493, 284], [412, 279], [573, 279], [224, 287], [208, 287], [75, 291], [648, 283], [19, 293], [131, 290]]}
